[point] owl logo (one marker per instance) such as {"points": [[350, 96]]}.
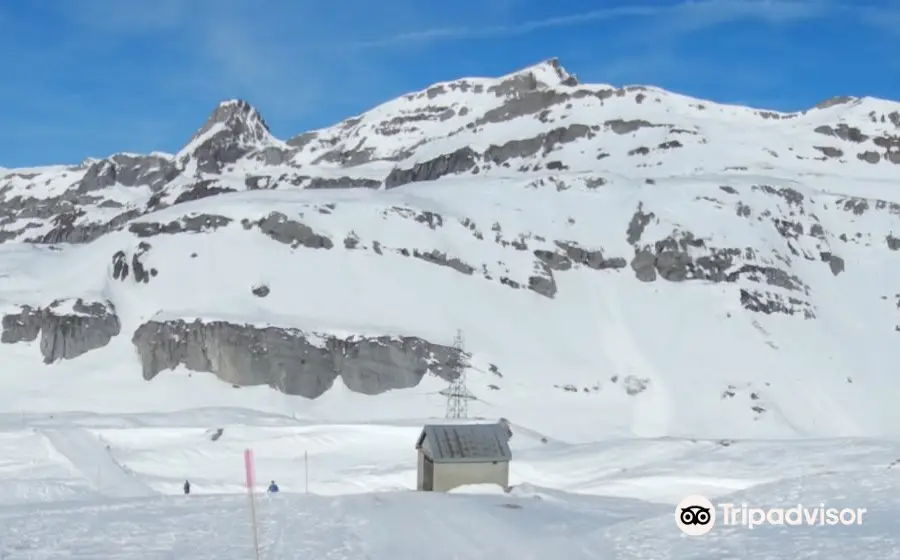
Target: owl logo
{"points": [[695, 516]]}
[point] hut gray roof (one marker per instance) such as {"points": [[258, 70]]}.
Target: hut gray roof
{"points": [[465, 443]]}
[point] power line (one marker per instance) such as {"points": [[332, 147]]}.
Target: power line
{"points": [[458, 395]]}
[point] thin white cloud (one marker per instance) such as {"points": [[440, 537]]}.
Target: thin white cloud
{"points": [[250, 65], [126, 18], [466, 32], [684, 17]]}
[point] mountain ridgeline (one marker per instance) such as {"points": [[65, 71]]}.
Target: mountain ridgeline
{"points": [[532, 188]]}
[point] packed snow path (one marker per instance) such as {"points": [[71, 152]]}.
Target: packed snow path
{"points": [[89, 456], [399, 526], [527, 525]]}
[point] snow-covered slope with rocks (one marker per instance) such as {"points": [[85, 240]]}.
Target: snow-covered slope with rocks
{"points": [[623, 261]]}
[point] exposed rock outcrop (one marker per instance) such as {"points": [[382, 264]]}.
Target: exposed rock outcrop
{"points": [[202, 189], [459, 161], [466, 159], [671, 259], [542, 143], [290, 232], [195, 223], [682, 257], [290, 360], [128, 170], [573, 254], [67, 328], [69, 227], [233, 130], [136, 270]]}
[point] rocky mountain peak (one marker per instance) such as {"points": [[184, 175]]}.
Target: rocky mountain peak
{"points": [[836, 100], [240, 118], [233, 129], [547, 73]]}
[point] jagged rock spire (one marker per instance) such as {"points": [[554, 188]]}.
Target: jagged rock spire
{"points": [[240, 118], [233, 129]]}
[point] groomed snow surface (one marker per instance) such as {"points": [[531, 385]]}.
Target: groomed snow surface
{"points": [[104, 486]]}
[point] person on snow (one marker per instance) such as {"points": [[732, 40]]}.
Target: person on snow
{"points": [[187, 487], [273, 488]]}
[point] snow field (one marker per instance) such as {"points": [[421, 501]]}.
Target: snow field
{"points": [[66, 495], [352, 458], [603, 333]]}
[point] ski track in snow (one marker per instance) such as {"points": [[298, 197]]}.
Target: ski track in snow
{"points": [[651, 417], [95, 463]]}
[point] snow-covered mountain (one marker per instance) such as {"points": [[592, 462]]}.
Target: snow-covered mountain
{"points": [[623, 261]]}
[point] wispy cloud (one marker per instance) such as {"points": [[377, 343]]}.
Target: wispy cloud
{"points": [[217, 48], [280, 55], [522, 28], [678, 18], [306, 64], [249, 64], [130, 18]]}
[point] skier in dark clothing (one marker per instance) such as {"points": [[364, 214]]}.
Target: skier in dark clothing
{"points": [[187, 487], [273, 488]]}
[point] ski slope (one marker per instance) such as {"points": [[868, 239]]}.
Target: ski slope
{"points": [[378, 526], [403, 526], [609, 499], [89, 457]]}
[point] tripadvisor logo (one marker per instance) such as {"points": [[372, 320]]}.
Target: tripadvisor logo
{"points": [[696, 515]]}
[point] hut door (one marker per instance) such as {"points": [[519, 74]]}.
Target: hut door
{"points": [[428, 475]]}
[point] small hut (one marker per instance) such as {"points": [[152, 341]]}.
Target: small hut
{"points": [[452, 455]]}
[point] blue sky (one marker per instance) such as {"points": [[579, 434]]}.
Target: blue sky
{"points": [[93, 77]]}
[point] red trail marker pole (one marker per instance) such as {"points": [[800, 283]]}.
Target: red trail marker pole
{"points": [[249, 471]]}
